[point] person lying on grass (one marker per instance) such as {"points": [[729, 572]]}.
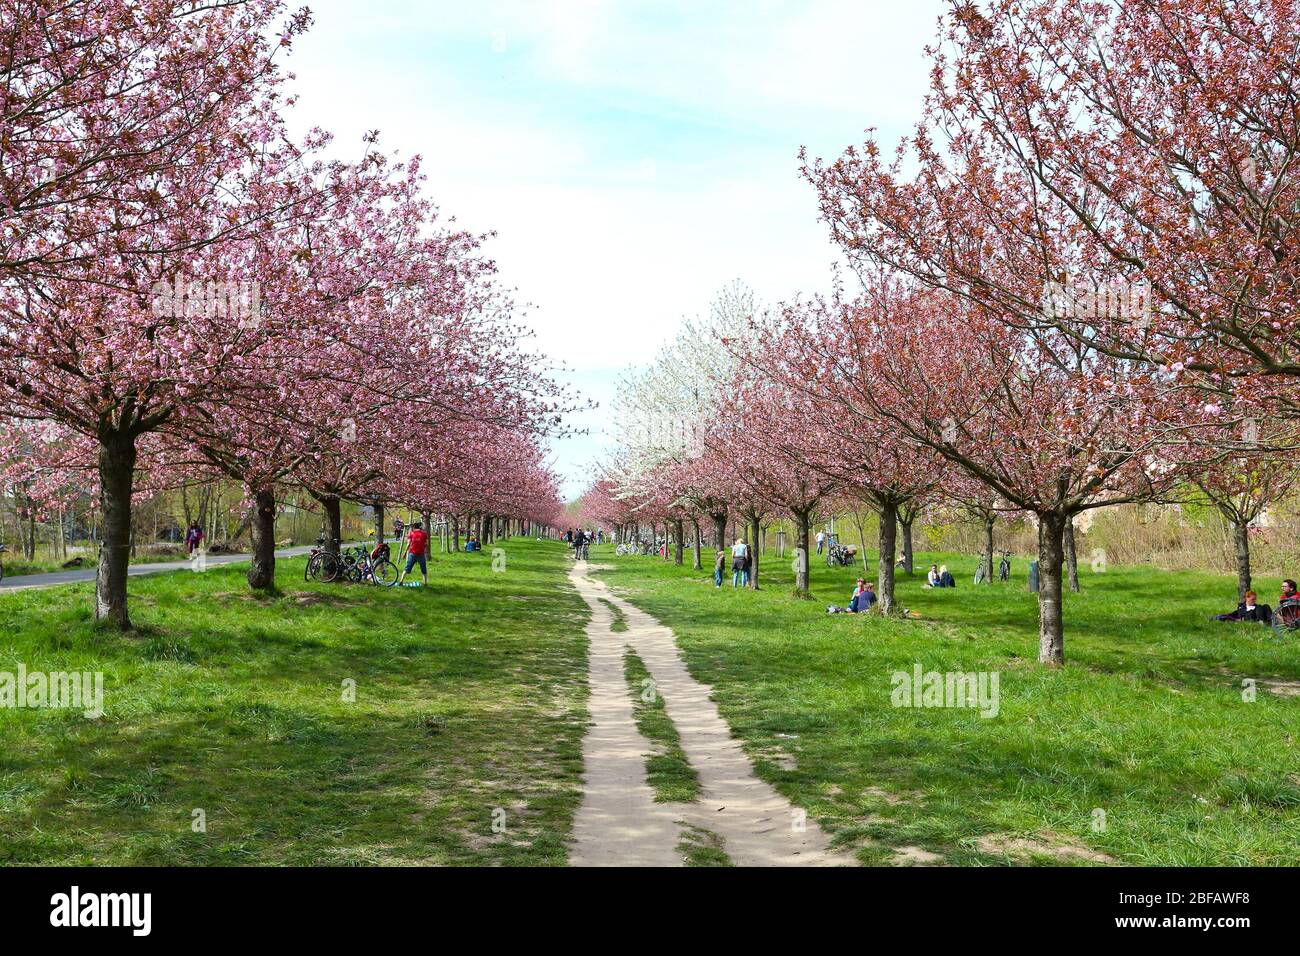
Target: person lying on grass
{"points": [[1249, 610]]}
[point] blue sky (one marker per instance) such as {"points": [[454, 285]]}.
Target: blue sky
{"points": [[632, 157]]}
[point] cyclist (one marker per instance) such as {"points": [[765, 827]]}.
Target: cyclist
{"points": [[417, 543]]}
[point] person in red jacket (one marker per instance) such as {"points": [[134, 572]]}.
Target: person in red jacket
{"points": [[417, 543]]}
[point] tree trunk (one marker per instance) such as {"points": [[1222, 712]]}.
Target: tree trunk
{"points": [[679, 532], [1051, 636], [987, 560], [699, 544], [379, 523], [803, 524], [907, 543], [333, 519], [116, 482], [753, 552], [1241, 543], [261, 573], [1071, 559], [719, 529], [455, 532], [885, 560]]}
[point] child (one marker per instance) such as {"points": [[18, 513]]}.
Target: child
{"points": [[416, 545], [719, 564]]}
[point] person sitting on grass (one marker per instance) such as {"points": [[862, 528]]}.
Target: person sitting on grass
{"points": [[417, 543], [932, 577], [1289, 592], [863, 598], [1249, 610], [946, 580]]}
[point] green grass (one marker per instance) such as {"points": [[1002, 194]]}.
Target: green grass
{"points": [[701, 847], [619, 625], [668, 772], [469, 709], [1146, 721]]}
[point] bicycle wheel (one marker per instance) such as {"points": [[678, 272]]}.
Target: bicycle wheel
{"points": [[329, 567], [385, 574], [312, 571]]}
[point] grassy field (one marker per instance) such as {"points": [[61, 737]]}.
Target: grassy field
{"points": [[469, 709], [1141, 750]]}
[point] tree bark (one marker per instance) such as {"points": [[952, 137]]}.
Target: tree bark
{"points": [[679, 532], [261, 573], [719, 529], [987, 560], [1051, 635], [1071, 559], [753, 552], [699, 544], [1241, 544], [803, 525], [907, 543], [333, 519], [379, 523], [117, 455], [885, 560]]}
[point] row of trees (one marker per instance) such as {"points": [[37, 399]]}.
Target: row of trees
{"points": [[187, 290], [1075, 289]]}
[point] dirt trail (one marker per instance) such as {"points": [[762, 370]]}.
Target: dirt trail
{"points": [[618, 822]]}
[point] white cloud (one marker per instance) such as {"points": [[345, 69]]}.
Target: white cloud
{"points": [[632, 157]]}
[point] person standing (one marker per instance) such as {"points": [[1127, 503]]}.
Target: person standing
{"points": [[719, 565], [193, 538], [417, 546], [821, 540], [739, 552]]}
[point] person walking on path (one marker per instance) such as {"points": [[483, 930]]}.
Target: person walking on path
{"points": [[417, 546]]}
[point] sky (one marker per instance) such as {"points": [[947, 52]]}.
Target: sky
{"points": [[632, 158]]}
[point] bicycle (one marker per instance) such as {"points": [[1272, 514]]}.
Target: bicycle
{"points": [[323, 563], [376, 568], [1004, 566]]}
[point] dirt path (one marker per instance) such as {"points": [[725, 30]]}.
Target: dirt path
{"points": [[619, 823]]}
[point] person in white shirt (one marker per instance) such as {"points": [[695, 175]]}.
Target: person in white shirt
{"points": [[821, 541]]}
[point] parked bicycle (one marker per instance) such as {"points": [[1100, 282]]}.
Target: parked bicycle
{"points": [[371, 567], [323, 563], [1004, 566]]}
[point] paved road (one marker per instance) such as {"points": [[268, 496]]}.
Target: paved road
{"points": [[55, 578]]}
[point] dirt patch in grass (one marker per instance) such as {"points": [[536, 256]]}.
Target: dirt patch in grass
{"points": [[1283, 688], [893, 799], [914, 856], [1046, 844]]}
